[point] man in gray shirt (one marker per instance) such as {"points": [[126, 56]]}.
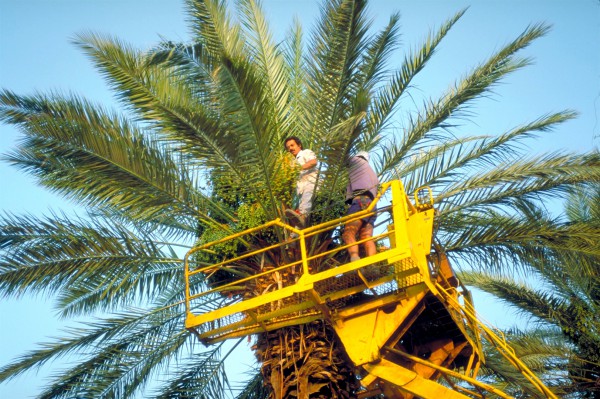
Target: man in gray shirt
{"points": [[360, 192]]}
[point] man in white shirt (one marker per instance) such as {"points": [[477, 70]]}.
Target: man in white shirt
{"points": [[305, 186]]}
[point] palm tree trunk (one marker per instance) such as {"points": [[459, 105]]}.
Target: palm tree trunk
{"points": [[306, 361]]}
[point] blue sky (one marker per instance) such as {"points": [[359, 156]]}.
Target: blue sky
{"points": [[37, 55]]}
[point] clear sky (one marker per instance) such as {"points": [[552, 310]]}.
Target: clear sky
{"points": [[37, 55]]}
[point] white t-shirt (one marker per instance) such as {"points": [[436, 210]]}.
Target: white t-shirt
{"points": [[307, 176]]}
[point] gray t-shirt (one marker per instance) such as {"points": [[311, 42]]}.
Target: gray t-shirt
{"points": [[361, 177]]}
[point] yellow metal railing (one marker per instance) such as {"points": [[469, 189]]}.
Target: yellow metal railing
{"points": [[286, 283]]}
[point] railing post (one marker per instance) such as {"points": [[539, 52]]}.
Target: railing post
{"points": [[186, 274], [302, 240], [399, 214]]}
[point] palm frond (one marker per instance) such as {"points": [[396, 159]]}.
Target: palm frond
{"points": [[296, 69], [387, 97], [254, 389], [336, 47], [83, 260], [568, 360], [466, 156], [540, 303], [213, 27], [271, 62], [453, 104], [120, 368], [543, 351], [501, 239], [435, 166], [190, 63], [544, 176], [203, 376], [76, 149], [164, 101], [95, 333]]}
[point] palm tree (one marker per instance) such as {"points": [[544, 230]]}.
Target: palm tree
{"points": [[197, 154], [562, 293]]}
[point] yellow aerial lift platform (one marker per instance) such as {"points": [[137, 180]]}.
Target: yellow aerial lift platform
{"points": [[402, 316]]}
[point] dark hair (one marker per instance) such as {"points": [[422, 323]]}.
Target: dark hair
{"points": [[296, 139]]}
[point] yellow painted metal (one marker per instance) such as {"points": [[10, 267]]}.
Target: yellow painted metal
{"points": [[410, 382], [451, 373], [371, 303], [423, 201], [364, 335]]}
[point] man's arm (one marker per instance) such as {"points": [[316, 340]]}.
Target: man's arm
{"points": [[309, 164]]}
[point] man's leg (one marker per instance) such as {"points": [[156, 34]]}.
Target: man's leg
{"points": [[349, 237], [297, 218], [306, 199], [365, 232]]}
